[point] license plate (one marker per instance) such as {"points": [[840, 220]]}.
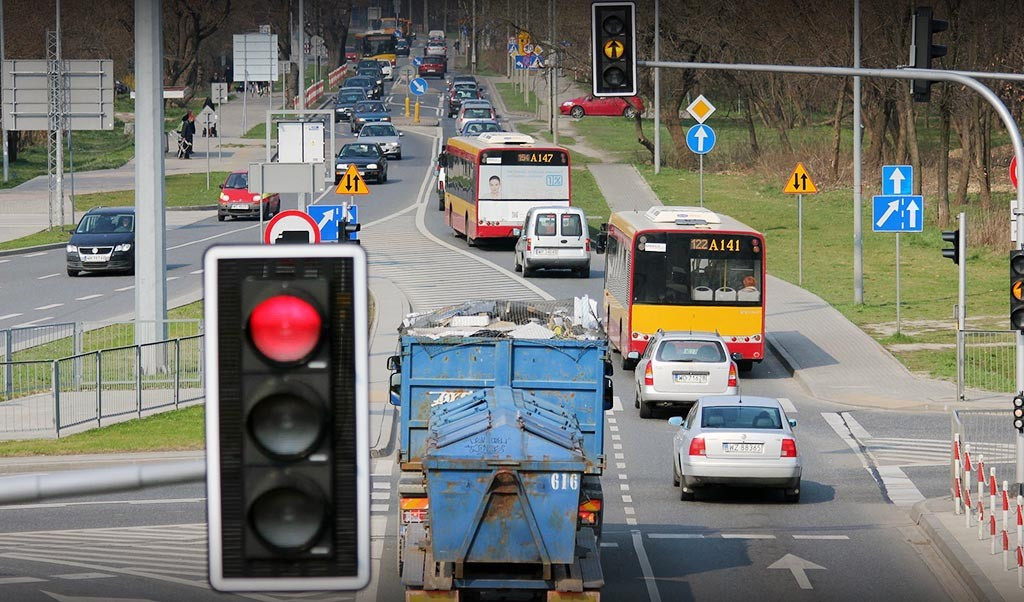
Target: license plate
{"points": [[547, 251], [94, 258], [241, 207], [689, 378], [743, 448]]}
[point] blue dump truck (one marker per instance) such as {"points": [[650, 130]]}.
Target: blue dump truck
{"points": [[502, 431]]}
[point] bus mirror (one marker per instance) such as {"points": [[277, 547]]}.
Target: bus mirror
{"points": [[633, 355]]}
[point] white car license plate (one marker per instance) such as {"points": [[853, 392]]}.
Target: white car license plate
{"points": [[94, 258], [689, 378], [240, 206], [743, 448], [547, 251]]}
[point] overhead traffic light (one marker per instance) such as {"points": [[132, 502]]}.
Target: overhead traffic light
{"points": [[1018, 412], [1017, 290], [287, 417], [923, 51], [614, 47], [952, 236]]}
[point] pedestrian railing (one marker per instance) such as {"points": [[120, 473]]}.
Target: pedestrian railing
{"points": [[987, 361], [47, 398], [49, 341], [991, 436]]}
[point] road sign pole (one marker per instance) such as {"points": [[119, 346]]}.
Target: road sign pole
{"points": [[208, 136], [897, 284], [800, 238], [701, 180], [961, 314]]}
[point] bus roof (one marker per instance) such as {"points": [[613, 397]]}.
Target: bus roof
{"points": [[496, 140], [677, 219]]}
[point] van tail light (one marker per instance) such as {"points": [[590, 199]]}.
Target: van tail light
{"points": [[697, 447], [590, 512], [648, 376], [415, 509], [732, 374], [588, 245], [788, 448], [529, 244]]}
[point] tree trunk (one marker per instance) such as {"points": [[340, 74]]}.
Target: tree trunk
{"points": [[751, 130], [962, 127], [837, 129], [981, 153], [943, 176]]}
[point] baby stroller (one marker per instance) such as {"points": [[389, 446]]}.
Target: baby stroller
{"points": [[184, 147]]}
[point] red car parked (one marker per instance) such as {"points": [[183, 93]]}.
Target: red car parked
{"points": [[609, 106], [236, 200]]}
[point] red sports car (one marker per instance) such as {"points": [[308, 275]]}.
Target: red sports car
{"points": [[610, 106], [237, 201]]}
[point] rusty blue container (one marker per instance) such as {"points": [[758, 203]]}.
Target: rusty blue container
{"points": [[504, 469]]}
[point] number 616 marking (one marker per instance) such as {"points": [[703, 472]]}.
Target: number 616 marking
{"points": [[565, 481]]}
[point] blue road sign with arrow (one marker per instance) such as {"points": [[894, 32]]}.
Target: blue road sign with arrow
{"points": [[327, 218], [417, 61], [418, 86], [897, 213], [897, 179], [700, 139]]}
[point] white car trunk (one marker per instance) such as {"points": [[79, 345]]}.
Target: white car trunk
{"points": [[746, 444]]}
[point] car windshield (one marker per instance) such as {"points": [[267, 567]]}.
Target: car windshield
{"points": [[370, 72], [101, 223], [359, 150], [461, 94], [474, 113], [740, 417], [478, 127], [362, 82], [350, 97], [690, 351], [378, 130], [369, 107], [237, 181]]}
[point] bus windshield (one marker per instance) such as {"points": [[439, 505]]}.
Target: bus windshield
{"points": [[377, 44], [705, 268]]}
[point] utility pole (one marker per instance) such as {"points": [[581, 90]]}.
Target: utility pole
{"points": [[858, 237], [657, 88], [556, 61], [302, 82], [3, 131], [472, 52]]}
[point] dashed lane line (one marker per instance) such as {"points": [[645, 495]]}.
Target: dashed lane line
{"points": [[9, 316], [48, 276], [645, 567], [46, 307], [747, 536], [87, 297], [39, 254], [675, 536], [823, 537], [124, 288]]}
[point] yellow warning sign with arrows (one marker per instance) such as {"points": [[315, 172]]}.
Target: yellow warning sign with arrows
{"points": [[800, 182], [613, 49], [352, 182]]}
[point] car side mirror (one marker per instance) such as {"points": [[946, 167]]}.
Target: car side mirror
{"points": [[736, 356], [517, 232], [676, 421], [221, 186], [400, 134], [792, 423]]}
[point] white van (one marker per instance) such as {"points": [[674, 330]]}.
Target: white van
{"points": [[553, 238], [435, 34]]}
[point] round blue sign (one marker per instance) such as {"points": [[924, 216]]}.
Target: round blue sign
{"points": [[418, 86], [700, 139]]}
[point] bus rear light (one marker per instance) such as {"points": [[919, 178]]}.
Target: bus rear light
{"points": [[746, 339], [636, 336], [732, 375], [757, 337], [734, 339], [647, 337]]}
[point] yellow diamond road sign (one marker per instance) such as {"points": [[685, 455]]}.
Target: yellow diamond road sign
{"points": [[800, 182], [613, 49], [352, 182], [700, 109]]}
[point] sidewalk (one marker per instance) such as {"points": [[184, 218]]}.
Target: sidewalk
{"points": [[26, 207], [836, 361]]}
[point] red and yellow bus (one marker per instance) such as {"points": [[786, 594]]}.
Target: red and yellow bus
{"points": [[683, 268], [493, 179], [377, 45]]}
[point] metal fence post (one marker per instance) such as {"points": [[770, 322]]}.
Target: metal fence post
{"points": [[960, 357], [56, 396], [77, 343], [9, 347], [177, 372], [138, 379], [99, 388]]}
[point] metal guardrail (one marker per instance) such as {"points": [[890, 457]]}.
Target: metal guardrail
{"points": [[63, 339], [990, 434], [45, 398], [988, 364]]}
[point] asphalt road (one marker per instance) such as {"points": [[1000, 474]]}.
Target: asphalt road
{"points": [[844, 541]]}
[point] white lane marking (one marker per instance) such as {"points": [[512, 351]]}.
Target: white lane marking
{"points": [[798, 567], [898, 486], [383, 468], [193, 500], [631, 521], [380, 508], [48, 276], [33, 322], [378, 485], [169, 278], [623, 477], [616, 437], [8, 316], [613, 428], [629, 510], [787, 405], [611, 420], [79, 576], [623, 486], [627, 499], [645, 567], [616, 404], [199, 271], [5, 260], [196, 242], [855, 428], [675, 536], [609, 544], [46, 307], [616, 446], [87, 297], [620, 456], [11, 580], [39, 254], [620, 465], [380, 495], [747, 536], [124, 288], [823, 537]]}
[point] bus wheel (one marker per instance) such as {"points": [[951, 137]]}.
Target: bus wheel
{"points": [[440, 203], [470, 241], [745, 365]]}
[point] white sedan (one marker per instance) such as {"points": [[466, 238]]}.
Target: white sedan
{"points": [[736, 440]]}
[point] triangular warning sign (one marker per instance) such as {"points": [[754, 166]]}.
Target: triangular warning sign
{"points": [[800, 182], [352, 182]]}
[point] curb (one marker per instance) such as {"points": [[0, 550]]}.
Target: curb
{"points": [[951, 551], [46, 247], [788, 362], [386, 447]]}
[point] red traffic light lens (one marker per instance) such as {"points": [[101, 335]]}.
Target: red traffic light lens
{"points": [[285, 328]]}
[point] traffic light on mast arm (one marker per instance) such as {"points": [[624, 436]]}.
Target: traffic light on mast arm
{"points": [[613, 33], [287, 417], [923, 51]]}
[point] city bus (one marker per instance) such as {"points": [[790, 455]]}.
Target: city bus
{"points": [[683, 268], [376, 45], [493, 179]]}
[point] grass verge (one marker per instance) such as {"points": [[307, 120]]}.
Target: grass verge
{"points": [[514, 100], [182, 190]]}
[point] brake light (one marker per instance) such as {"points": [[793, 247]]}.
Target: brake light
{"points": [[732, 374], [588, 245], [648, 376], [415, 510], [529, 244], [589, 512], [788, 448], [697, 447]]}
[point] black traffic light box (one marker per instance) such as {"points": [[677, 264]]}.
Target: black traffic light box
{"points": [[1017, 290], [953, 237], [287, 417], [613, 34], [923, 51]]}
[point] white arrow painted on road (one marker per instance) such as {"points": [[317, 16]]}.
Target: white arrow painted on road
{"points": [[327, 218], [700, 135], [61, 598], [897, 178], [799, 567], [893, 206], [912, 208]]}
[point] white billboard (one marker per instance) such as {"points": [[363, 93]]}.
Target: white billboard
{"points": [[254, 57]]}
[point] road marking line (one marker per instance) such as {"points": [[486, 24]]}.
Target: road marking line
{"points": [[620, 456], [5, 260], [611, 420], [620, 465], [609, 544], [50, 306], [11, 580], [629, 510], [623, 486], [823, 537], [675, 536], [124, 288], [630, 521], [169, 278], [616, 446], [199, 271], [47, 276], [855, 428], [155, 501], [747, 536], [613, 428], [196, 242], [787, 405], [616, 437], [627, 499], [9, 316], [645, 567], [78, 576], [380, 495], [87, 297], [39, 254], [900, 489], [380, 508], [623, 477], [33, 322], [377, 485]]}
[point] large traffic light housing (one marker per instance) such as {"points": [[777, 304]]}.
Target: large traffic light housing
{"points": [[614, 46], [923, 51], [1017, 290], [952, 236], [287, 417]]}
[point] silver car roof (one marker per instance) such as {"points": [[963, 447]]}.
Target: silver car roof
{"points": [[739, 400]]}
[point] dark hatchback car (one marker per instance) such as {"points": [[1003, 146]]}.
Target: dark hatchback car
{"points": [[368, 84], [345, 100], [104, 241], [368, 158], [402, 47]]}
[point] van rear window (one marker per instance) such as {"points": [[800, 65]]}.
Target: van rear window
{"points": [[571, 225], [546, 225]]}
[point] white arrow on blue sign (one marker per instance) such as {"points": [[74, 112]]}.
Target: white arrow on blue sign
{"points": [[700, 139], [897, 179], [327, 218], [418, 86], [417, 61], [897, 213]]}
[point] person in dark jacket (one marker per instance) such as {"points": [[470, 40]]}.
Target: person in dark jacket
{"points": [[188, 132]]}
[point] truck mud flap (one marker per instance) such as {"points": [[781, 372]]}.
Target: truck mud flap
{"points": [[428, 596], [574, 597], [589, 559]]}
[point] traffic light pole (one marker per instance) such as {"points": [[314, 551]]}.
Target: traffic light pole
{"points": [[911, 74]]}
